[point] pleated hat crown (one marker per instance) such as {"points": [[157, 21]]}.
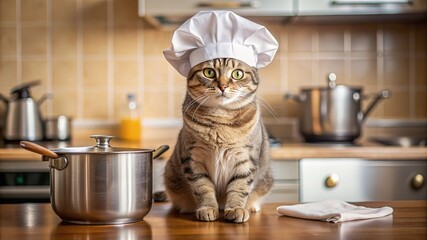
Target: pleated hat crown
{"points": [[220, 34]]}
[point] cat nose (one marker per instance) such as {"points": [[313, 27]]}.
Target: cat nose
{"points": [[222, 87]]}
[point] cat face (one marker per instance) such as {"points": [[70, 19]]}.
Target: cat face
{"points": [[222, 82]]}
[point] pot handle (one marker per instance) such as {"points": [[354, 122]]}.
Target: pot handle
{"points": [[382, 95], [296, 98], [59, 163], [159, 151], [32, 147]]}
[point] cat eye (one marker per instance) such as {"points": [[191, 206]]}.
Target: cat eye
{"points": [[209, 72], [237, 74]]}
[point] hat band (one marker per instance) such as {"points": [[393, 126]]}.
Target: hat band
{"points": [[223, 50]]}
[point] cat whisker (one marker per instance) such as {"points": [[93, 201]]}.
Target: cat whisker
{"points": [[204, 97], [239, 95], [245, 97], [267, 106], [198, 100], [200, 104], [194, 101]]}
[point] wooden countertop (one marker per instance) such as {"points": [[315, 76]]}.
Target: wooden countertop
{"points": [[299, 151], [15, 152], [287, 151], [38, 221]]}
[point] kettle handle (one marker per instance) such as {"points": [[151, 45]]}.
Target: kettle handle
{"points": [[4, 99], [44, 98], [382, 95]]}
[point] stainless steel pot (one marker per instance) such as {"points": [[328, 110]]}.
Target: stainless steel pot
{"points": [[333, 113], [57, 128], [100, 184]]}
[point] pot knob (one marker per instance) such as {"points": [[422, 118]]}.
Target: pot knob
{"points": [[332, 80], [332, 180], [102, 141]]}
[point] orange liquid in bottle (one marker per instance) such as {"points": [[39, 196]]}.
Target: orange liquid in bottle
{"points": [[130, 129]]}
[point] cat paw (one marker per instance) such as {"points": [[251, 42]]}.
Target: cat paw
{"points": [[207, 214], [254, 209], [237, 215]]}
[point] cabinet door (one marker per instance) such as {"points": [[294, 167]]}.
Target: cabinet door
{"points": [[285, 188], [362, 180], [357, 7], [190, 7]]}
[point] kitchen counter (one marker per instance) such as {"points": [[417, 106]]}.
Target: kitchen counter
{"points": [[38, 221], [294, 151], [15, 152], [287, 151]]}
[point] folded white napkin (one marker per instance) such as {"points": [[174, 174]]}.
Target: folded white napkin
{"points": [[333, 211]]}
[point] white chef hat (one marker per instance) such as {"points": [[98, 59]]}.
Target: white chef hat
{"points": [[220, 34]]}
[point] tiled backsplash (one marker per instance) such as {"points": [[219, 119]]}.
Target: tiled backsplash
{"points": [[91, 53]]}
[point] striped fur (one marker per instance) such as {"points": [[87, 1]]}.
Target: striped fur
{"points": [[221, 160]]}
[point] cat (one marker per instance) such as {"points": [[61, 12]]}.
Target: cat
{"points": [[221, 157]]}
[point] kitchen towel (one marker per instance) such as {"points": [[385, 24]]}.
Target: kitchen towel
{"points": [[333, 211]]}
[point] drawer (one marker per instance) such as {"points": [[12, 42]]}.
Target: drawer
{"points": [[361, 180], [355, 7], [190, 7]]}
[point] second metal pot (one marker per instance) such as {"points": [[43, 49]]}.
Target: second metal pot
{"points": [[57, 128], [333, 113]]}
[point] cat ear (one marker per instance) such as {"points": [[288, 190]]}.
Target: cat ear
{"points": [[255, 75]]}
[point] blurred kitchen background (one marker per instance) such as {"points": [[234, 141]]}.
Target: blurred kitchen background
{"points": [[91, 53]]}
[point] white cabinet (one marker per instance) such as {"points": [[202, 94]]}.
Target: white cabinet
{"points": [[362, 180], [242, 7], [170, 14], [285, 188], [167, 13], [359, 7]]}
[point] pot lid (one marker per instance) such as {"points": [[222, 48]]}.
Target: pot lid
{"points": [[338, 87], [102, 147], [332, 85]]}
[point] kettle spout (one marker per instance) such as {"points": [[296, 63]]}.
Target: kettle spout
{"points": [[382, 95], [44, 98]]}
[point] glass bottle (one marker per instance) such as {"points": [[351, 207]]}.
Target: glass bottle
{"points": [[130, 123]]}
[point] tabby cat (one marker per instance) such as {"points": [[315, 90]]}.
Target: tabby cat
{"points": [[221, 158]]}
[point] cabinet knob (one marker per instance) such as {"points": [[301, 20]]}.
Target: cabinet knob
{"points": [[417, 181], [332, 180]]}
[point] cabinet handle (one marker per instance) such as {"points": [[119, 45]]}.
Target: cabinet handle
{"points": [[332, 180], [370, 2], [417, 181], [230, 4]]}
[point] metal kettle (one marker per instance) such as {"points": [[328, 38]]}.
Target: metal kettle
{"points": [[22, 120]]}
